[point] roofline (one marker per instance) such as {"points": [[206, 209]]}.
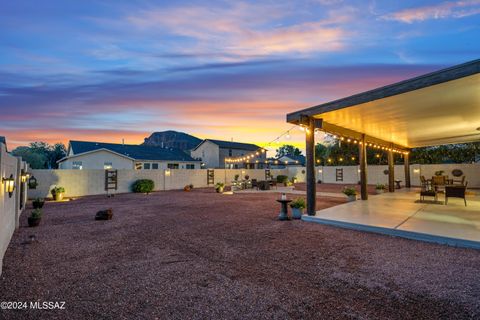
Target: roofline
{"points": [[92, 151], [168, 160], [430, 79]]}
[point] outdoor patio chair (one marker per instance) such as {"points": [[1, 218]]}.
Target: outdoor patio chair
{"points": [[426, 184], [456, 192], [254, 184], [460, 182]]}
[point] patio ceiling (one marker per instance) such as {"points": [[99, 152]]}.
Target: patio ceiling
{"points": [[442, 107]]}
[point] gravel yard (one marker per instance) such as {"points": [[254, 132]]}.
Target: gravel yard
{"points": [[202, 255]]}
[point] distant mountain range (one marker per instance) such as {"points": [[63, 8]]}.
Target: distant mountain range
{"points": [[172, 139]]}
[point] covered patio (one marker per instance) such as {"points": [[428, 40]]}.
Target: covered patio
{"points": [[441, 107]]}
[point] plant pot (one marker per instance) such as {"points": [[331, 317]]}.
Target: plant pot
{"points": [[297, 213], [352, 198], [58, 196], [33, 222], [379, 191], [219, 190]]}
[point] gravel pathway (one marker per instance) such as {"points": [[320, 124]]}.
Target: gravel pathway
{"points": [[201, 255]]}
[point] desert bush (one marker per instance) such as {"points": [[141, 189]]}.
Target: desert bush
{"points": [[143, 186]]}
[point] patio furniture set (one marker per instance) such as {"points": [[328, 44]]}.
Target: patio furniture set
{"points": [[451, 188], [254, 184]]}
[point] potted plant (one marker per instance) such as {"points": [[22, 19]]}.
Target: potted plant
{"points": [[187, 188], [351, 193], [247, 177], [35, 217], [219, 187], [236, 177], [439, 173], [57, 193], [294, 180], [297, 208], [38, 203], [379, 188]]}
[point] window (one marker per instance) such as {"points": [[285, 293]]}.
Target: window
{"points": [[146, 166], [107, 165], [77, 165], [138, 166], [172, 166], [155, 166], [229, 152], [190, 166]]}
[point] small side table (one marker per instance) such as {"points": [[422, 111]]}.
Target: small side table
{"points": [[284, 209]]}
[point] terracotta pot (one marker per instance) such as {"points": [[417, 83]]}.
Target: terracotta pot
{"points": [[32, 222], [219, 189]]}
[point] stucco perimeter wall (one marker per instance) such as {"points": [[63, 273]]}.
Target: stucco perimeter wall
{"points": [[377, 173], [10, 207], [90, 182]]}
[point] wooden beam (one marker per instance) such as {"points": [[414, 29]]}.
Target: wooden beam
{"points": [[391, 172], [310, 164], [363, 168], [406, 161]]}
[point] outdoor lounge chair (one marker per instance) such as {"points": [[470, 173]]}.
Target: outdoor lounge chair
{"points": [[456, 192], [254, 184]]}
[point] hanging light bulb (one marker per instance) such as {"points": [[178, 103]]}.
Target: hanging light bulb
{"points": [[287, 136]]}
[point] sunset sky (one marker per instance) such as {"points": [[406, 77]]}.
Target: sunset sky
{"points": [[107, 70]]}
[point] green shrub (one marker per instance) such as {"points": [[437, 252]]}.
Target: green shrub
{"points": [[349, 191], [282, 179], [143, 186], [380, 186], [36, 214], [298, 203]]}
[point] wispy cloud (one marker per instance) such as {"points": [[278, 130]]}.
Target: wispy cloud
{"points": [[245, 29], [450, 9]]}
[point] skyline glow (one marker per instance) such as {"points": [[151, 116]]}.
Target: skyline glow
{"points": [[109, 70]]}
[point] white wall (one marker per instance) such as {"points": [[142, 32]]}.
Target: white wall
{"points": [[89, 182], [9, 206], [96, 160]]}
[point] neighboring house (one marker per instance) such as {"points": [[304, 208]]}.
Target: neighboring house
{"points": [[213, 154], [97, 155], [286, 161]]}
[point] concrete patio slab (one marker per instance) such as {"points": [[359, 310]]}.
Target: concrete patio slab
{"points": [[400, 214]]}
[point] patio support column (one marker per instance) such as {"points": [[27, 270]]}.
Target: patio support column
{"points": [[363, 168], [310, 164], [406, 161], [391, 172]]}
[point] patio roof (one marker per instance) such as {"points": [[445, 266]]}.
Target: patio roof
{"points": [[438, 108]]}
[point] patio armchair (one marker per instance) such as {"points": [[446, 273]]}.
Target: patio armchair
{"points": [[254, 184], [456, 192], [460, 182], [426, 183]]}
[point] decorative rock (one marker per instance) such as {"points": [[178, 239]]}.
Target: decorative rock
{"points": [[104, 214]]}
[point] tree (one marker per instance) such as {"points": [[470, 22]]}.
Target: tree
{"points": [[288, 150], [41, 155]]}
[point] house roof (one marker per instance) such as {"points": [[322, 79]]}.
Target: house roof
{"points": [[232, 145], [137, 152], [433, 109], [300, 158]]}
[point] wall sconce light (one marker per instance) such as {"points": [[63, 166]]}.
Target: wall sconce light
{"points": [[167, 172], [416, 170], [32, 183], [9, 185], [25, 175], [320, 171]]}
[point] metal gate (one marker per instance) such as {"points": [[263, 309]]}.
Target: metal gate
{"points": [[210, 177], [111, 180]]}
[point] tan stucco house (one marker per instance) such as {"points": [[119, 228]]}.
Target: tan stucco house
{"points": [[213, 154], [98, 155]]}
